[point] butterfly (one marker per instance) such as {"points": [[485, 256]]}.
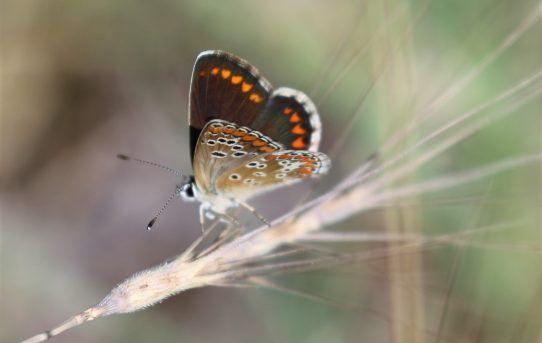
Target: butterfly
{"points": [[246, 138]]}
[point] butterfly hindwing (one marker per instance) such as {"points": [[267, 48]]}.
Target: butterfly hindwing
{"points": [[271, 170], [224, 87], [290, 117], [222, 146]]}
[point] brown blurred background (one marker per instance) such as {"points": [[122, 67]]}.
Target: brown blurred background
{"points": [[83, 81]]}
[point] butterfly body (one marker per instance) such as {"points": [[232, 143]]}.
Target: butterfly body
{"points": [[246, 138]]}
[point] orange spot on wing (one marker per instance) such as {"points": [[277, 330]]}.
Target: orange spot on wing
{"points": [[249, 138], [298, 143], [285, 157], [239, 133], [245, 87], [214, 130], [214, 71], [295, 118], [258, 142], [267, 148], [270, 157], [255, 98], [228, 130], [236, 79], [305, 159], [287, 110], [304, 171], [298, 130], [201, 73], [225, 73]]}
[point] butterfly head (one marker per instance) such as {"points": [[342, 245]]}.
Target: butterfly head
{"points": [[188, 189]]}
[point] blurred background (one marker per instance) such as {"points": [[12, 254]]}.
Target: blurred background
{"points": [[83, 81]]}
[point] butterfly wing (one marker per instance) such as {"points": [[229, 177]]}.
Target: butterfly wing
{"points": [[271, 170], [290, 117], [224, 87], [221, 147], [227, 87]]}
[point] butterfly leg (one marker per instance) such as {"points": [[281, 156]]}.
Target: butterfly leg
{"points": [[253, 211], [206, 214]]}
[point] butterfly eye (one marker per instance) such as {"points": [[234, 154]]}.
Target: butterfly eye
{"points": [[186, 191]]}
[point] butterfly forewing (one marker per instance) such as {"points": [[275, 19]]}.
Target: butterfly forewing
{"points": [[271, 170], [225, 87], [221, 147]]}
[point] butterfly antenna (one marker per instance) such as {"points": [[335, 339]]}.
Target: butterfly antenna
{"points": [[124, 157], [155, 218]]}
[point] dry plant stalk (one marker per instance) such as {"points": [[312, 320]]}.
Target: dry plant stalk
{"points": [[223, 263]]}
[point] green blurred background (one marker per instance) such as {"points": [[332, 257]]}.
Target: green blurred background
{"points": [[82, 81]]}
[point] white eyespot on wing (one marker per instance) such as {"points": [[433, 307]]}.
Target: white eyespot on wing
{"points": [[218, 154], [238, 154], [217, 125], [234, 177]]}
